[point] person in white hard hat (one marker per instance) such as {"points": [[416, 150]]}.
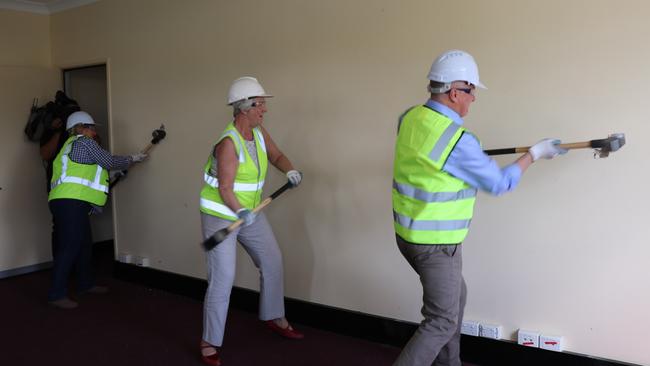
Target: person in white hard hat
{"points": [[438, 168], [79, 186], [234, 176]]}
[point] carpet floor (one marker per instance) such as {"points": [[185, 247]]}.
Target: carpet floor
{"points": [[135, 325]]}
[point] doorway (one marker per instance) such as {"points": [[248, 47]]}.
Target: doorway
{"points": [[88, 86]]}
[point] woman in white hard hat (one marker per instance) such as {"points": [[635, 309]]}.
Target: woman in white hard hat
{"points": [[234, 176], [79, 186]]}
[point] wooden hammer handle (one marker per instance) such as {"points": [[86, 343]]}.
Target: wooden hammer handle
{"points": [[576, 145], [523, 149], [147, 148], [257, 209], [261, 206], [568, 146]]}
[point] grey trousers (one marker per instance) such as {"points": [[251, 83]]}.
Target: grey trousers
{"points": [[437, 339], [258, 240]]}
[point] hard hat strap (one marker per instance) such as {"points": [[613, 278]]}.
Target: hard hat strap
{"points": [[441, 90], [446, 87]]}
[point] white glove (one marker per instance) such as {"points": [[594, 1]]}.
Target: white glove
{"points": [[547, 149], [138, 157], [247, 215], [295, 177]]}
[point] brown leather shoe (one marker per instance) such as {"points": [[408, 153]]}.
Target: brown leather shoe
{"points": [[287, 332], [64, 303]]}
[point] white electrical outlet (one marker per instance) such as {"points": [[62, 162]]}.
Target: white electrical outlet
{"points": [[470, 327], [490, 331], [528, 338], [141, 261], [551, 343], [125, 257]]}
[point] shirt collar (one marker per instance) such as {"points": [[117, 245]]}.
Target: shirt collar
{"points": [[444, 110]]}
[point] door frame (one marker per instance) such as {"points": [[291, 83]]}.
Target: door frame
{"points": [[106, 62]]}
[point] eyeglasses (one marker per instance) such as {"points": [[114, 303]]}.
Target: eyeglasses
{"points": [[469, 91], [260, 103]]}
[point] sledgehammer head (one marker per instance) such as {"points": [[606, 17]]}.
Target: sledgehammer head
{"points": [[215, 239], [158, 134], [612, 143]]}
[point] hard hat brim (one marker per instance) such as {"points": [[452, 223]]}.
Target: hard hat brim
{"points": [[257, 96]]}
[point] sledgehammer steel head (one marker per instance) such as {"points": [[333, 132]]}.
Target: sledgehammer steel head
{"points": [[215, 239], [612, 143], [158, 134]]}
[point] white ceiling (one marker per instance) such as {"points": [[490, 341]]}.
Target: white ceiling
{"points": [[43, 6]]}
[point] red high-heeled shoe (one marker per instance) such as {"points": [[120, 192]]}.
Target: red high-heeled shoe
{"points": [[213, 359], [287, 332]]}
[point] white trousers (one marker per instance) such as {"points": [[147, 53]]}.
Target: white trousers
{"points": [[260, 244]]}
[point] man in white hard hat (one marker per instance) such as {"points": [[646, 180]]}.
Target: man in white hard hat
{"points": [[438, 168], [79, 184], [234, 176]]}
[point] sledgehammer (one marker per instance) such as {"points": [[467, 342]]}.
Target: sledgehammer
{"points": [[601, 147], [220, 235], [156, 136]]}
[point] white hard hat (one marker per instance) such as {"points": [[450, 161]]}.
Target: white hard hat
{"points": [[454, 65], [77, 118], [245, 88]]}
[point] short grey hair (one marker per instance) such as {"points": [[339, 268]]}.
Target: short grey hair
{"points": [[242, 106], [74, 130]]}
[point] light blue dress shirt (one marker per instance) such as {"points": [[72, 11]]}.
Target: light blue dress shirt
{"points": [[469, 163]]}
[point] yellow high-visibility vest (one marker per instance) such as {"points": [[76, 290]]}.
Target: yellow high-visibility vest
{"points": [[85, 182], [249, 180], [430, 206]]}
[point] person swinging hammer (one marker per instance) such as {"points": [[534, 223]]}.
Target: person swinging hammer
{"points": [[79, 186], [438, 168], [233, 179]]}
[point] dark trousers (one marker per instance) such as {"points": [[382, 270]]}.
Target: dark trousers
{"points": [[54, 246], [73, 246]]}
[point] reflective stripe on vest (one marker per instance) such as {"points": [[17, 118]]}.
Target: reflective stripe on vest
{"points": [[217, 207], [249, 178], [411, 224], [443, 141], [95, 184], [240, 142], [237, 140], [72, 180], [238, 187], [260, 137], [421, 195], [430, 206]]}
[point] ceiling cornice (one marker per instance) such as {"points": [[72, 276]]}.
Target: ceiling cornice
{"points": [[43, 8], [68, 4], [26, 6]]}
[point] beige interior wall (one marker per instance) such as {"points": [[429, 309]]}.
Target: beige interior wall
{"points": [[25, 73], [565, 254], [25, 39]]}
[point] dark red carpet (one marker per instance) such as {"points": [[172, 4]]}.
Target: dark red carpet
{"points": [[134, 325]]}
